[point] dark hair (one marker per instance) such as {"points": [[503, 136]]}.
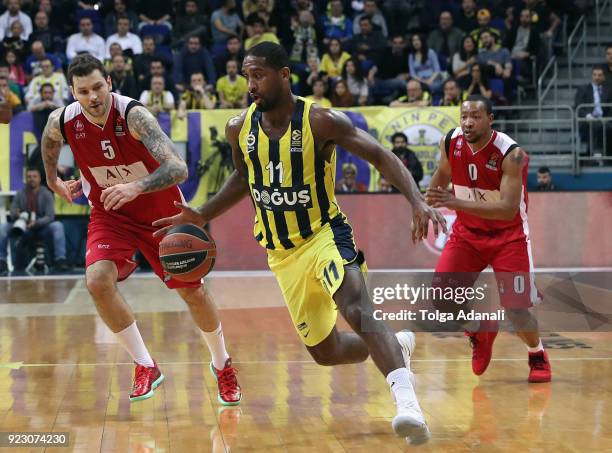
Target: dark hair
{"points": [[83, 65], [544, 169], [462, 53], [152, 38], [274, 54], [484, 74], [329, 45], [366, 17], [399, 135], [85, 17], [124, 17], [36, 169], [598, 68], [256, 20], [347, 98], [486, 102], [424, 49], [448, 81], [45, 85], [230, 37], [358, 70]]}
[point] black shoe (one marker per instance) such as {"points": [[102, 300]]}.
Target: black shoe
{"points": [[61, 265], [3, 267]]}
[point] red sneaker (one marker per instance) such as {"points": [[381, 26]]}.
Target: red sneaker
{"points": [[229, 390], [482, 346], [539, 365], [146, 379]]}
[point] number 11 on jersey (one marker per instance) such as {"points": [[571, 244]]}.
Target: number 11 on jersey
{"points": [[279, 168]]}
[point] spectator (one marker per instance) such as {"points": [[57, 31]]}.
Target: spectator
{"points": [[304, 39], [120, 10], [545, 182], [390, 76], [384, 185], [37, 56], [61, 16], [334, 59], [154, 12], [415, 96], [595, 93], [14, 40], [484, 24], [368, 44], [497, 60], [259, 34], [464, 60], [402, 15], [348, 183], [336, 24], [192, 59], [319, 87], [47, 76], [49, 36], [341, 96], [523, 43], [12, 14], [192, 23], [115, 49], [447, 39], [123, 83], [36, 203], [312, 73], [16, 72], [608, 67], [452, 94], [7, 96], [157, 68], [424, 65], [232, 88], [5, 72], [479, 83], [157, 100], [543, 19], [466, 19], [264, 12], [199, 96], [142, 62], [370, 9], [42, 105], [407, 156], [86, 41], [254, 6], [129, 42], [233, 51], [225, 23], [356, 82]]}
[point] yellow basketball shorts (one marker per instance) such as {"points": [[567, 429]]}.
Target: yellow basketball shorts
{"points": [[309, 275]]}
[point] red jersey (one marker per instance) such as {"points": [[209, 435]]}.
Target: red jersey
{"points": [[477, 177], [110, 155]]}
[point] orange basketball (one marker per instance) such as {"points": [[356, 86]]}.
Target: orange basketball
{"points": [[187, 253]]}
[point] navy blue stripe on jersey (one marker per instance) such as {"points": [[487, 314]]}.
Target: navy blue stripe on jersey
{"points": [[279, 217], [320, 182], [343, 238], [258, 175], [297, 164]]}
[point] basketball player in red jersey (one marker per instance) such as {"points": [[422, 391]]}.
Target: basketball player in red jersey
{"points": [[129, 173], [489, 175]]}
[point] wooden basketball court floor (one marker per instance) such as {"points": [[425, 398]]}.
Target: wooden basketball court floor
{"points": [[61, 370]]}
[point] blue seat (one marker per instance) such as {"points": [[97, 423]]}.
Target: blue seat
{"points": [[160, 33]]}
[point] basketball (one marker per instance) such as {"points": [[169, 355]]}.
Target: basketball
{"points": [[187, 253]]}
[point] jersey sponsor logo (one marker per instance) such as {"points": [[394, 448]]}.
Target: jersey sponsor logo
{"points": [[79, 126], [436, 244], [282, 198], [493, 161], [250, 140], [104, 246], [476, 194], [110, 175], [424, 127], [80, 135], [459, 142]]}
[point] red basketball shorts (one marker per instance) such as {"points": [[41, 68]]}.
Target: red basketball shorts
{"points": [[467, 253], [110, 239]]}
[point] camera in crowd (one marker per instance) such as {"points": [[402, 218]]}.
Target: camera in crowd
{"points": [[222, 152], [21, 224]]}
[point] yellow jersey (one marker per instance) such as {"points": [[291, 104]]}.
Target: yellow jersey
{"points": [[291, 185]]}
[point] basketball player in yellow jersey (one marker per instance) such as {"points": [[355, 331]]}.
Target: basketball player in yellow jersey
{"points": [[284, 153]]}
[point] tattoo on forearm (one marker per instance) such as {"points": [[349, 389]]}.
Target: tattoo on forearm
{"points": [[172, 169], [51, 143]]}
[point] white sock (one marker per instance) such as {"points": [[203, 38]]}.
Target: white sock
{"points": [[472, 326], [538, 348], [131, 340], [401, 387], [216, 346]]}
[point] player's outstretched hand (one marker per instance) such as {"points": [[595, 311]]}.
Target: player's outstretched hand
{"points": [[68, 190], [421, 216], [116, 196], [187, 215], [438, 197]]}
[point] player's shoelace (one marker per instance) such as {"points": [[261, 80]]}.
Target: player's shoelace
{"points": [[228, 383]]}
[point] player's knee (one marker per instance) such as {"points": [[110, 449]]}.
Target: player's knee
{"points": [[323, 358], [520, 318], [193, 297], [99, 285]]}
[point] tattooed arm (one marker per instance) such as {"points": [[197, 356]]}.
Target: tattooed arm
{"points": [[510, 192], [51, 145], [172, 169]]}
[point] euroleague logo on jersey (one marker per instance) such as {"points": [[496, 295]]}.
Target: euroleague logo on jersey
{"points": [[492, 163], [436, 244]]}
